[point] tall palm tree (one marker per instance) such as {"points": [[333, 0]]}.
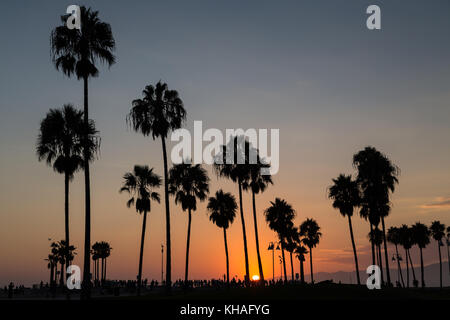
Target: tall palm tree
{"points": [[438, 232], [279, 216], [140, 185], [393, 236], [96, 254], [157, 113], [233, 163], [257, 183], [59, 144], [188, 183], [310, 233], [377, 177], [76, 52], [300, 252], [421, 236], [222, 209], [345, 195]]}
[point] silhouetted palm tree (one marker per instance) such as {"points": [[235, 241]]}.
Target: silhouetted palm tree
{"points": [[393, 236], [96, 260], [301, 251], [345, 195], [438, 233], [279, 216], [421, 236], [406, 242], [377, 177], [291, 240], [233, 163], [188, 183], [222, 209], [104, 252], [140, 184], [59, 144], [52, 264], [257, 183], [310, 233], [376, 238], [76, 52], [157, 113]]}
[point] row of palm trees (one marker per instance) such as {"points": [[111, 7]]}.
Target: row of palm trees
{"points": [[100, 252], [60, 253], [418, 234], [370, 193]]}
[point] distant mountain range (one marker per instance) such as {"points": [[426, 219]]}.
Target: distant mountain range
{"points": [[431, 275]]}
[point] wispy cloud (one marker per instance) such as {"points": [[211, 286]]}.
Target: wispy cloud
{"points": [[439, 203]]}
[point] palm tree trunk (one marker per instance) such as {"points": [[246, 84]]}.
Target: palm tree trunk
{"points": [[187, 249], [372, 245], [292, 267], [247, 272], [61, 278], [101, 276], [380, 262], [261, 274], [399, 266], [104, 275], [52, 271], [66, 215], [166, 198], [86, 292], [284, 261], [421, 268], [311, 265], [412, 267], [440, 266], [354, 249], [141, 254], [407, 268], [386, 254], [302, 272], [226, 254]]}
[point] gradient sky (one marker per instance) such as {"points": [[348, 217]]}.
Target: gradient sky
{"points": [[309, 68]]}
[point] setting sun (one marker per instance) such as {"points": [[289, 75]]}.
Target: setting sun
{"points": [[255, 277]]}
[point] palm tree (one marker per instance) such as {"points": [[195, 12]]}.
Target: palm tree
{"points": [[393, 236], [291, 240], [376, 238], [104, 252], [233, 163], [438, 232], [279, 216], [257, 183], [188, 183], [421, 236], [377, 177], [157, 113], [406, 242], [96, 254], [301, 251], [140, 184], [52, 265], [345, 195], [76, 52], [59, 144], [310, 233], [222, 209]]}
